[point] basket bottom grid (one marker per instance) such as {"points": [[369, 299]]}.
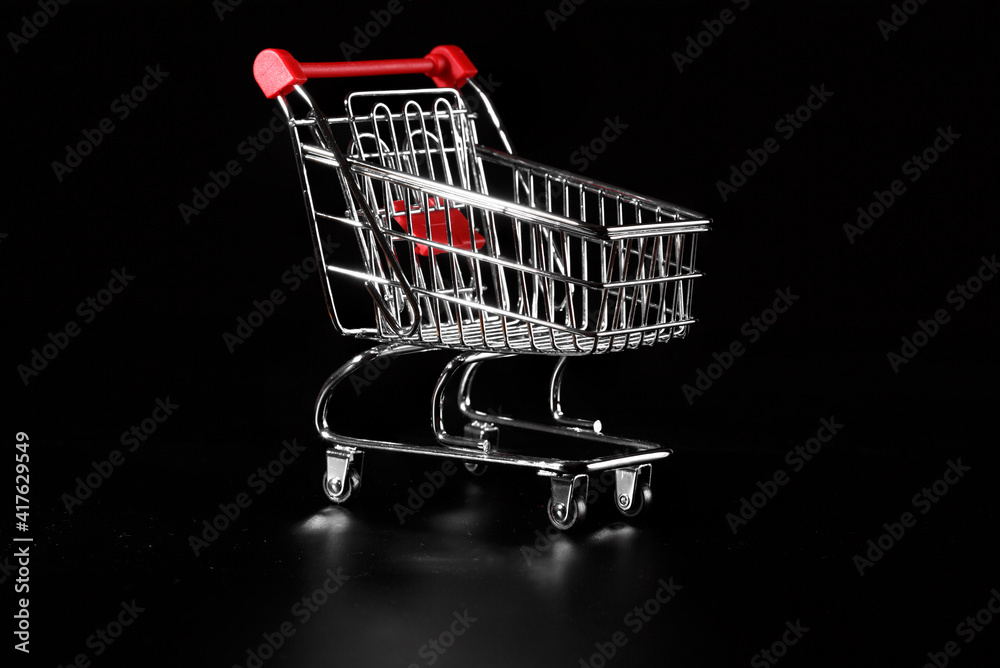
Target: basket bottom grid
{"points": [[515, 336]]}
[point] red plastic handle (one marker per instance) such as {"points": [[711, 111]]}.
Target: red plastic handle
{"points": [[277, 72]]}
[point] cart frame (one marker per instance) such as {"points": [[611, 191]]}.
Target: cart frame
{"points": [[408, 300]]}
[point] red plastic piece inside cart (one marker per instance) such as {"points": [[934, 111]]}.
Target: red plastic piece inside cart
{"points": [[439, 225]]}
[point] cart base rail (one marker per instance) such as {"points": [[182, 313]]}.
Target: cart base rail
{"points": [[479, 446]]}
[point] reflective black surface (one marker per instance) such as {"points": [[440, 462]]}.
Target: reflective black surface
{"points": [[479, 548]]}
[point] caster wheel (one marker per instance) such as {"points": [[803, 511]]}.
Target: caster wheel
{"points": [[475, 468], [564, 518], [339, 493], [642, 499]]}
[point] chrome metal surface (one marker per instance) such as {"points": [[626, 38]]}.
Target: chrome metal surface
{"points": [[644, 452], [572, 427], [465, 247], [337, 463], [632, 489], [565, 265], [567, 503], [626, 481], [351, 190], [555, 402], [437, 421]]}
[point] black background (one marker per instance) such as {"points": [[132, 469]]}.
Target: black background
{"points": [[465, 548]]}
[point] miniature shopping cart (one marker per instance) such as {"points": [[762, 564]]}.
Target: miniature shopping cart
{"points": [[478, 250]]}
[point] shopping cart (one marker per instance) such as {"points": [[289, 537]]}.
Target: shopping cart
{"points": [[476, 249]]}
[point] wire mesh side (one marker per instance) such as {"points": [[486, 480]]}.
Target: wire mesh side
{"points": [[515, 285]]}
